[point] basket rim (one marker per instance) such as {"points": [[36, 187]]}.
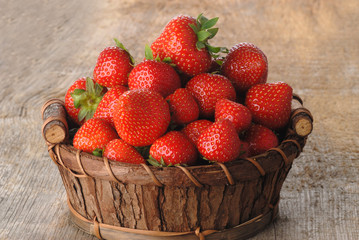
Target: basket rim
{"points": [[84, 164]]}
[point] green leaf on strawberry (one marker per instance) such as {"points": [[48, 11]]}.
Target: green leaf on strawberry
{"points": [[213, 32], [205, 31], [87, 100], [98, 152], [120, 45], [203, 35], [148, 53], [207, 24], [155, 163], [200, 45], [149, 56]]}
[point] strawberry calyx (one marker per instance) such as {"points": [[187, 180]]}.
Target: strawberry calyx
{"points": [[98, 152], [87, 100], [120, 45], [209, 162], [149, 56], [219, 60], [204, 29], [151, 160]]}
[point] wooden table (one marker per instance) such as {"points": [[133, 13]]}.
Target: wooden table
{"points": [[312, 45]]}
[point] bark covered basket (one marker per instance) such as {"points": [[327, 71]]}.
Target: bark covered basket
{"points": [[113, 200]]}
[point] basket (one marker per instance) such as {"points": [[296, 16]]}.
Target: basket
{"points": [[113, 200]]}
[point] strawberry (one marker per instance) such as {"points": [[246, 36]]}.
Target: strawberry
{"points": [[208, 89], [194, 129], [113, 66], [237, 113], [220, 142], [82, 99], [270, 104], [183, 107], [119, 150], [157, 48], [260, 139], [171, 149], [154, 75], [245, 65], [141, 116], [185, 40], [94, 134], [106, 107]]}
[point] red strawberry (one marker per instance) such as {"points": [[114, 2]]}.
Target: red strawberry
{"points": [[113, 66], [194, 129], [94, 134], [185, 40], [156, 76], [183, 107], [141, 116], [119, 150], [106, 107], [270, 104], [245, 65], [157, 48], [82, 99], [220, 142], [171, 149], [260, 139], [237, 113], [208, 89]]}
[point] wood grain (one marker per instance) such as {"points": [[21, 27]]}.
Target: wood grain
{"points": [[311, 45]]}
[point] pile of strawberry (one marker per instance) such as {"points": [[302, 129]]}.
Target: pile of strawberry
{"points": [[186, 103]]}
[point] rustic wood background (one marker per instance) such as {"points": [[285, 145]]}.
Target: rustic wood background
{"points": [[312, 45]]}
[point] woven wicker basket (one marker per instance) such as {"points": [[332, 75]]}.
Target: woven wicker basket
{"points": [[113, 200]]}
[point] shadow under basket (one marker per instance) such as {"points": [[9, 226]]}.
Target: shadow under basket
{"points": [[114, 200]]}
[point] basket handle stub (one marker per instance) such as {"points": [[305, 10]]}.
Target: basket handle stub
{"points": [[54, 127], [301, 120]]}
